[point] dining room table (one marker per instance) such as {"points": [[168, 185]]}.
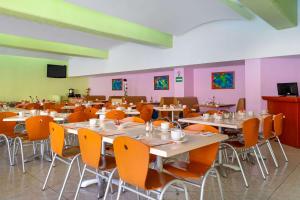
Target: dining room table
{"points": [[233, 121], [160, 142], [130, 112], [58, 117], [169, 109]]}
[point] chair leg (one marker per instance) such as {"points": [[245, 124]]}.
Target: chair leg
{"points": [[281, 147], [78, 165], [49, 172], [119, 189], [219, 183], [19, 141], [272, 153], [8, 148], [239, 162], [260, 167], [109, 182], [80, 181], [66, 178], [262, 160]]}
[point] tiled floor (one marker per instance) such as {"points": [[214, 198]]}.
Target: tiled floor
{"points": [[282, 183]]}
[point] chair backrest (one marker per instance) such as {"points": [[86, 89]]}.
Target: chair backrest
{"points": [[115, 115], [267, 127], [157, 123], [32, 106], [37, 127], [7, 128], [146, 112], [78, 117], [204, 155], [201, 128], [139, 106], [57, 138], [91, 112], [211, 112], [132, 159], [168, 101], [250, 132], [79, 108], [241, 104], [48, 106], [278, 124], [133, 119], [90, 143]]}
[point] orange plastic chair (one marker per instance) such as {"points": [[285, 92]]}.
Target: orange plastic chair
{"points": [[32, 106], [211, 112], [66, 155], [187, 113], [80, 108], [146, 112], [268, 135], [91, 112], [278, 129], [133, 119], [90, 146], [250, 134], [200, 164], [37, 129], [115, 115], [7, 131], [129, 151], [77, 117], [48, 106]]}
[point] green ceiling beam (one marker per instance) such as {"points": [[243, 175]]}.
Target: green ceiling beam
{"points": [[239, 8], [280, 14], [60, 13], [50, 47]]}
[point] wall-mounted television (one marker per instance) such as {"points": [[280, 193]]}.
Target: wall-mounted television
{"points": [[287, 89], [56, 71]]}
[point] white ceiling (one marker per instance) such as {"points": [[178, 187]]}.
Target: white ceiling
{"points": [[173, 16]]}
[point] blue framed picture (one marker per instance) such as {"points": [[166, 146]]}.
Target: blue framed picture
{"points": [[222, 80], [161, 82], [117, 84]]}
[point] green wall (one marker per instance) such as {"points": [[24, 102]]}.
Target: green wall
{"points": [[21, 77]]}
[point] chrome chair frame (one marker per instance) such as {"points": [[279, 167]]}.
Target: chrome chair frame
{"points": [[108, 178], [68, 162], [160, 194]]}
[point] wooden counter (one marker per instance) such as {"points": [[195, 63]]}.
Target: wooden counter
{"points": [[290, 107]]}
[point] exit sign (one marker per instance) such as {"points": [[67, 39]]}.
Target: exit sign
{"points": [[179, 79]]}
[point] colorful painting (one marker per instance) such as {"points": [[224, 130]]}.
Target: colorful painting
{"points": [[117, 84], [222, 80], [161, 82]]}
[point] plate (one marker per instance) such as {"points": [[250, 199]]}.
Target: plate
{"points": [[180, 141]]}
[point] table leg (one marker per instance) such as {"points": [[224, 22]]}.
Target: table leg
{"points": [[172, 116], [159, 163]]}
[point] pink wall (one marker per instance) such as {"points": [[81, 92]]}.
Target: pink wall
{"points": [[253, 85], [139, 84], [203, 89]]}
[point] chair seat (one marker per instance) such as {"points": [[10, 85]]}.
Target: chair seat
{"points": [[186, 170], [107, 162], [156, 180], [71, 151]]}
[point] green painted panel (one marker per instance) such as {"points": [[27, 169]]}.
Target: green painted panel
{"points": [[68, 15], [21, 77], [280, 14], [50, 47], [239, 8]]}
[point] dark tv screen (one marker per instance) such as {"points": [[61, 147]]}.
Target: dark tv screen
{"points": [[56, 71], [287, 89]]}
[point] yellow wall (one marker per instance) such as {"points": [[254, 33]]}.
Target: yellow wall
{"points": [[21, 77]]}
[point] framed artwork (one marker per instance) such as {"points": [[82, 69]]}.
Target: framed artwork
{"points": [[161, 82], [117, 84], [222, 80]]}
